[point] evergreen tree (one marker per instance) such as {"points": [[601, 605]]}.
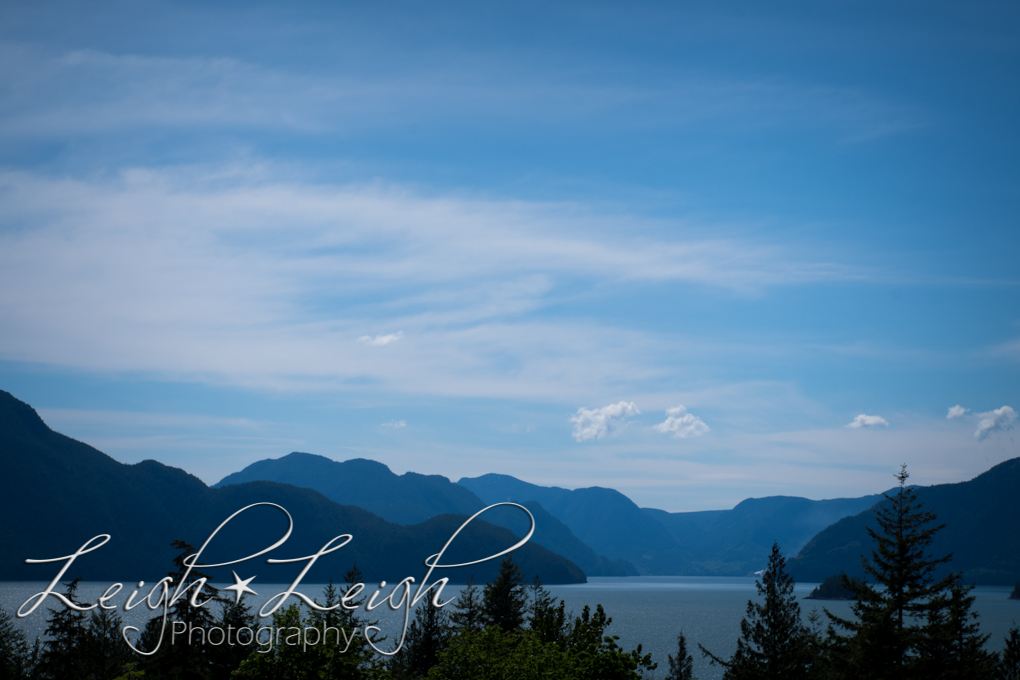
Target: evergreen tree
{"points": [[226, 657], [504, 600], [682, 666], [104, 653], [468, 616], [62, 652], [426, 639], [951, 646], [15, 658], [1009, 662], [773, 642], [594, 654], [887, 628], [546, 619]]}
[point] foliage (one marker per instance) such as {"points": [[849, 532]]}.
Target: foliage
{"points": [[468, 615], [1009, 663], [681, 667], [15, 658], [773, 642], [504, 600]]}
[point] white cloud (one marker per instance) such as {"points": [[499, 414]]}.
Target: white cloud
{"points": [[680, 424], [381, 340], [956, 412], [999, 420], [596, 423], [864, 420], [395, 424]]}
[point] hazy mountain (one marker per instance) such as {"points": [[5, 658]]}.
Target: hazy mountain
{"points": [[56, 493], [981, 531], [604, 519], [738, 541], [411, 498]]}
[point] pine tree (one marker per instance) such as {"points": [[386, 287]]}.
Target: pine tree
{"points": [[773, 642], [15, 660], [104, 653], [951, 646], [504, 601], [426, 639], [681, 667], [546, 619], [66, 633], [887, 628], [1009, 663], [468, 615]]}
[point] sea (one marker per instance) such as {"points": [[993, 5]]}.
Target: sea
{"points": [[646, 610]]}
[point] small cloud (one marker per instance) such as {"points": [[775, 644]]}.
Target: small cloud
{"points": [[596, 423], [999, 420], [395, 424], [381, 340], [864, 420], [956, 412], [680, 424]]}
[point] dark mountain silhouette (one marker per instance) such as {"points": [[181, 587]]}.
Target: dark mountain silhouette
{"points": [[411, 498], [980, 532], [56, 493], [738, 541]]}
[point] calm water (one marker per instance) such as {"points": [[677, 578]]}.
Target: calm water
{"points": [[645, 609]]}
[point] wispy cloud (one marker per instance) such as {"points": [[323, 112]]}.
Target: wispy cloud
{"points": [[680, 424], [591, 424], [395, 424], [999, 420], [381, 340], [864, 420], [956, 412]]}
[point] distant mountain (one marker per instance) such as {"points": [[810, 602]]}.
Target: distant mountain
{"points": [[402, 499], [733, 542], [56, 493], [411, 498], [738, 541], [604, 519], [981, 532]]}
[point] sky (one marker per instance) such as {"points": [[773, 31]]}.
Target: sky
{"points": [[696, 252]]}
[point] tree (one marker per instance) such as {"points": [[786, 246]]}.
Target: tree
{"points": [[594, 654], [951, 646], [104, 654], [468, 615], [426, 639], [1009, 663], [15, 659], [773, 642], [546, 619], [62, 652], [886, 630], [682, 666], [504, 602]]}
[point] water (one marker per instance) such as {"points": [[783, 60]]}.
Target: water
{"points": [[650, 610]]}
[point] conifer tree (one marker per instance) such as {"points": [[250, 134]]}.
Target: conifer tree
{"points": [[15, 660], [504, 601], [546, 619], [951, 646], [426, 639], [773, 642], [886, 630], [681, 667], [467, 615], [1009, 662], [62, 652]]}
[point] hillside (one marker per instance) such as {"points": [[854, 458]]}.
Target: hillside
{"points": [[981, 532], [56, 493]]}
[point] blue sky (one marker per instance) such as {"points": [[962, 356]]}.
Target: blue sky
{"points": [[695, 252]]}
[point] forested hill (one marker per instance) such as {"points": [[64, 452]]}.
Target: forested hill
{"points": [[981, 531], [57, 493]]}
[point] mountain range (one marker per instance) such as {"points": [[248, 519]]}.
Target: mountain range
{"points": [[58, 492]]}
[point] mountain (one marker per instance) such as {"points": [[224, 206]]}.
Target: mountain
{"points": [[980, 532], [604, 519], [738, 541], [411, 498], [733, 542], [56, 493], [402, 499]]}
